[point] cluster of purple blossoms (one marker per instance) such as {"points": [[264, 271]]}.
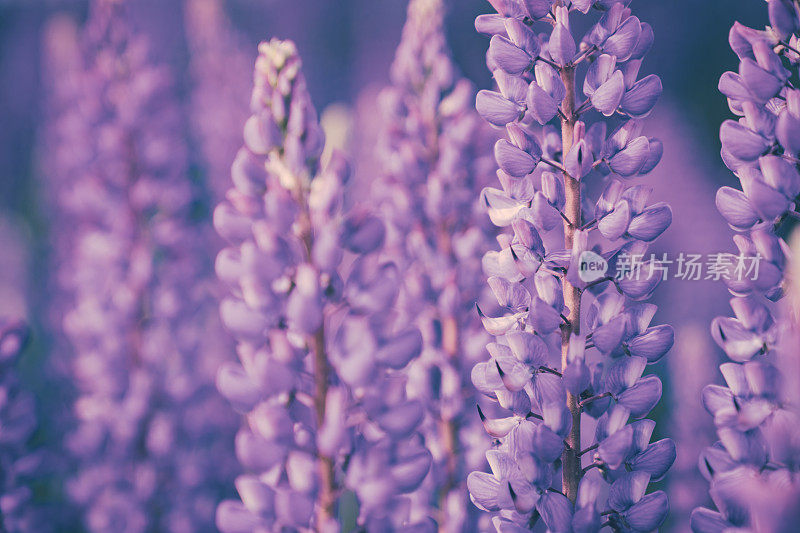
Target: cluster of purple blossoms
{"points": [[434, 149], [152, 436], [756, 412], [18, 419], [551, 363], [320, 378], [220, 71]]}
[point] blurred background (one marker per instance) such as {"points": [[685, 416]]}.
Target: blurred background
{"points": [[347, 47]]}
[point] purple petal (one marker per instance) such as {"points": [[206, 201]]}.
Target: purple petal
{"points": [[739, 344], [544, 318], [622, 42], [512, 160], [556, 511], [608, 337], [362, 233], [653, 157], [401, 349], [243, 321], [627, 490], [641, 98], [495, 108], [501, 264], [742, 142], [256, 496], [780, 174], [237, 387], [630, 160], [411, 471], [522, 36], [513, 88], [541, 106], [402, 419], [768, 202], [651, 223], [576, 377], [708, 521], [734, 206], [615, 224], [508, 8], [486, 378], [761, 84], [248, 173], [783, 17], [614, 449], [608, 96], [256, 453], [640, 285], [547, 444], [561, 45], [656, 459], [732, 86], [538, 8], [508, 56], [527, 235], [579, 160], [653, 343], [586, 520], [527, 347], [649, 513], [493, 24], [644, 43], [498, 427], [543, 215], [642, 397], [600, 71], [233, 517], [483, 490], [557, 417]]}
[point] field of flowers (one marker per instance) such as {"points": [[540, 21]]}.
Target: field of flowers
{"points": [[379, 266]]}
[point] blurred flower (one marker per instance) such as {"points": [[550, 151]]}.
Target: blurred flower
{"points": [[433, 149], [153, 438], [757, 412], [220, 68], [319, 378], [18, 418], [544, 371]]}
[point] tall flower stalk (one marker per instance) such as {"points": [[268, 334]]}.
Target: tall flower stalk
{"points": [[220, 70], [433, 148], [756, 412], [572, 339], [151, 436], [319, 378], [18, 418]]}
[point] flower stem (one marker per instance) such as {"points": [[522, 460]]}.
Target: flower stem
{"points": [[326, 502], [571, 469], [327, 495]]}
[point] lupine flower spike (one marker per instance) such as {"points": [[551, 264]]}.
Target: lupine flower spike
{"points": [[319, 378], [18, 418], [434, 148], [151, 436], [220, 70], [753, 469], [572, 339]]}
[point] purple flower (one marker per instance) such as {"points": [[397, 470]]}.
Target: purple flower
{"points": [[152, 438], [319, 378], [545, 371], [221, 82], [18, 417], [756, 411], [433, 149]]}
